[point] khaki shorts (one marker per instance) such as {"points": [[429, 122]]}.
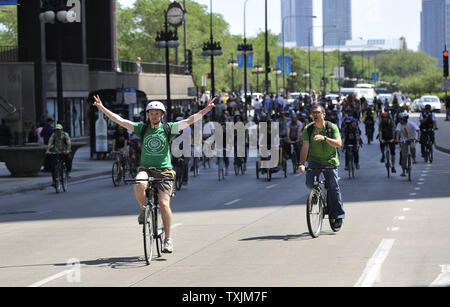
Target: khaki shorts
{"points": [[165, 187]]}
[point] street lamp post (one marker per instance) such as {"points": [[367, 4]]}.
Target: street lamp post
{"points": [[282, 34], [56, 12], [212, 49], [174, 15]]}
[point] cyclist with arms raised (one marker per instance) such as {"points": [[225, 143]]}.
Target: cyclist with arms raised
{"points": [[155, 154], [321, 140]]}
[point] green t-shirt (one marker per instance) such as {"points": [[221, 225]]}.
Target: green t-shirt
{"points": [[155, 145], [320, 151]]}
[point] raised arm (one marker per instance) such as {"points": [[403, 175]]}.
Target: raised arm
{"points": [[198, 116], [113, 116]]}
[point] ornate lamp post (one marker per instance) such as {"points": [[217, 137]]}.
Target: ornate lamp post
{"points": [[174, 15], [232, 63], [257, 71], [57, 12]]}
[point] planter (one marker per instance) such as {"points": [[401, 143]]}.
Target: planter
{"points": [[23, 161]]}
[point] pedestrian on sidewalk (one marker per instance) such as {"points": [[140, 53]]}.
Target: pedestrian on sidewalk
{"points": [[156, 154]]}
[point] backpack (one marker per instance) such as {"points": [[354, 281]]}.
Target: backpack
{"points": [[328, 130]]}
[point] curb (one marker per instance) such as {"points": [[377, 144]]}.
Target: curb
{"points": [[44, 185], [445, 150]]}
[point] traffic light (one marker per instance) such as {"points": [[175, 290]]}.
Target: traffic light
{"points": [[189, 61], [445, 54], [208, 75]]}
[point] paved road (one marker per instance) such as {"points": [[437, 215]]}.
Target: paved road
{"points": [[241, 232]]}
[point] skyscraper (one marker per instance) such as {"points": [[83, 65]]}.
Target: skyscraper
{"points": [[435, 27], [337, 12], [296, 28]]}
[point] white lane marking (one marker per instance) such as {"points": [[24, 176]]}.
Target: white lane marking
{"points": [[417, 189], [411, 200], [232, 202], [399, 218], [373, 267], [412, 194], [271, 186], [406, 209], [393, 228], [443, 280], [53, 277]]}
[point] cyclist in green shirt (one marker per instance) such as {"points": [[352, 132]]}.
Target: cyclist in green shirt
{"points": [[320, 150], [156, 154]]}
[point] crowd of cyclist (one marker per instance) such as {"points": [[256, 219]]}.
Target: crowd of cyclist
{"points": [[348, 113]]}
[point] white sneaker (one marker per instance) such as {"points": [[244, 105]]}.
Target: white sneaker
{"points": [[168, 246]]}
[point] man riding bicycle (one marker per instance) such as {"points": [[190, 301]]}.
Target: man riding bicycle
{"points": [[60, 142], [352, 137], [406, 133], [386, 136], [320, 143], [427, 126], [155, 154]]}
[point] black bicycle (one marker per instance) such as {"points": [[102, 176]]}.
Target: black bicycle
{"points": [[179, 166], [427, 145], [317, 204], [153, 228], [60, 174], [121, 167], [239, 166], [387, 156]]}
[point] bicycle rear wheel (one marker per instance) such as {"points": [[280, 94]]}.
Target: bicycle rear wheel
{"points": [[409, 167], [314, 212], [148, 235], [158, 230], [430, 153]]}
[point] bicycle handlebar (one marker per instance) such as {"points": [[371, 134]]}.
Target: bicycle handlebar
{"points": [[149, 179]]}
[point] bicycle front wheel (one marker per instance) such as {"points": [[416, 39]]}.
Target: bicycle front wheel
{"points": [[116, 173], [148, 235], [64, 179], [314, 212]]}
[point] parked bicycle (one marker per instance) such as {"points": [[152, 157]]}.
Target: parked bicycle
{"points": [[60, 174], [317, 205], [121, 167], [153, 228]]}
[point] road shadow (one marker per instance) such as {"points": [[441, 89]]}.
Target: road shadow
{"points": [[299, 237]]}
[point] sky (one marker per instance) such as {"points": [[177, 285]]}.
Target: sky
{"points": [[371, 19]]}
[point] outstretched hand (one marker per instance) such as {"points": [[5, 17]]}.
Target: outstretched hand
{"points": [[211, 103], [97, 102]]}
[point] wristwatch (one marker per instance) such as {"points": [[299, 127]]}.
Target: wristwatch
{"points": [[325, 138]]}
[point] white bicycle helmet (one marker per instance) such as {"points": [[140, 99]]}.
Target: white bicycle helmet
{"points": [[156, 105]]}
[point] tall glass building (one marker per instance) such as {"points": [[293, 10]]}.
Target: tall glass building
{"points": [[296, 29], [435, 27], [337, 12]]}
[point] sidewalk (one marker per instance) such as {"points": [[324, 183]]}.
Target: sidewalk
{"points": [[82, 168]]}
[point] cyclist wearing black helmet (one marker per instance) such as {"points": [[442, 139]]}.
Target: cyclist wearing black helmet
{"points": [[427, 126]]}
